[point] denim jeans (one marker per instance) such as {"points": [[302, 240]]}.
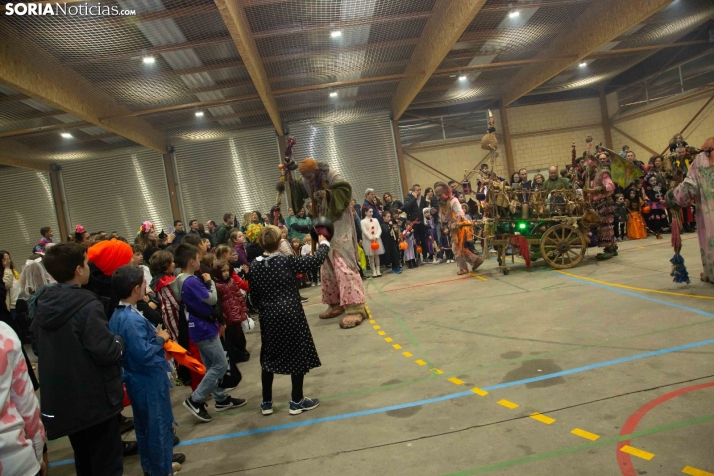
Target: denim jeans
{"points": [[214, 358]]}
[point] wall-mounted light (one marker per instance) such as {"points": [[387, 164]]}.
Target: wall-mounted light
{"points": [[333, 94], [583, 64], [463, 77], [148, 60], [336, 34], [514, 14], [66, 135], [199, 113]]}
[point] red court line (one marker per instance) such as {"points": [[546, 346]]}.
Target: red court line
{"points": [[623, 459], [663, 242]]}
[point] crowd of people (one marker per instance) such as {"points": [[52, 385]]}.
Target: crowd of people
{"points": [[101, 311]]}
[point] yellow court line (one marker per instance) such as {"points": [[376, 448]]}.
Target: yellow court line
{"points": [[636, 452], [371, 321], [697, 296], [456, 381], [437, 371], [478, 391], [477, 276], [420, 362], [407, 354], [585, 434], [397, 346], [508, 404], [376, 327], [542, 418], [381, 333], [388, 339], [695, 472]]}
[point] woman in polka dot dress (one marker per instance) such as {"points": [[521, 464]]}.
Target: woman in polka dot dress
{"points": [[287, 345]]}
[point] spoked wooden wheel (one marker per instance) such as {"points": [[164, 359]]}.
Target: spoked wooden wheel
{"points": [[563, 246]]}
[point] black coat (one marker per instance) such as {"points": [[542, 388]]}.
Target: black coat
{"points": [[414, 208], [81, 377]]}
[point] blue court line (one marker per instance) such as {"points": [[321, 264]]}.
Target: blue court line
{"points": [[430, 400], [630, 293]]}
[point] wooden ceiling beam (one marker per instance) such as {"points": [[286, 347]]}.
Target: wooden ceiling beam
{"points": [[582, 41], [237, 23], [15, 154], [27, 69], [621, 51], [441, 32]]}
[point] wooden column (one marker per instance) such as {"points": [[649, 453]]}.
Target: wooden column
{"points": [[60, 202], [605, 114], [400, 157], [510, 165], [171, 182]]}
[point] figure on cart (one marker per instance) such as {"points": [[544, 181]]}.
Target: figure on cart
{"points": [[327, 194]]}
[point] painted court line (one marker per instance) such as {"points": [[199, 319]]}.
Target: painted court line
{"points": [[695, 472], [508, 404], [456, 381], [479, 391], [417, 403], [637, 452], [542, 418], [585, 434]]}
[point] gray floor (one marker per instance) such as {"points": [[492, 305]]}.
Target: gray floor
{"points": [[384, 413]]}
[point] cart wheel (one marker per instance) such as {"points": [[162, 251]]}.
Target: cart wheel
{"points": [[505, 271], [563, 246]]}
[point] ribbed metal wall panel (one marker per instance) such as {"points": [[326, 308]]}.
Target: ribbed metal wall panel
{"points": [[27, 206], [363, 152], [118, 193], [234, 175]]}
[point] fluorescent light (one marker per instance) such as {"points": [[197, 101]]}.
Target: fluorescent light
{"points": [[583, 64], [199, 113], [514, 14], [66, 135], [333, 95], [336, 34], [462, 77], [149, 60]]}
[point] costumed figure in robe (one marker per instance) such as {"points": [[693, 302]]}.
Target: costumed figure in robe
{"points": [[452, 215], [601, 189], [699, 186], [327, 194]]}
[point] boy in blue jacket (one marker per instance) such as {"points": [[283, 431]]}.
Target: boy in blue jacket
{"points": [[199, 297], [145, 374]]}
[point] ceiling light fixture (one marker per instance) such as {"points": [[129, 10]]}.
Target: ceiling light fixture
{"points": [[66, 135], [462, 77], [514, 14], [149, 60], [336, 34], [333, 95], [583, 64], [199, 113]]}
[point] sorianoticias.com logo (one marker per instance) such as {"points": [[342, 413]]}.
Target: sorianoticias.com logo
{"points": [[65, 9]]}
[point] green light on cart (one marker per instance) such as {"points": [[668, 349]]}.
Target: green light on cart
{"points": [[521, 226]]}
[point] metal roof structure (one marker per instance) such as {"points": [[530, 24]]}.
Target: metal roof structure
{"points": [[184, 70]]}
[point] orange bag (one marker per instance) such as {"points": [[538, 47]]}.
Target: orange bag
{"points": [[181, 356]]}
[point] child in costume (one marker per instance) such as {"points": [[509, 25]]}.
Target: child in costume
{"points": [[371, 232], [235, 311], [635, 224], [146, 373], [391, 238], [410, 251]]}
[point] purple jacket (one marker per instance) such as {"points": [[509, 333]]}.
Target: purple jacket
{"points": [[242, 255], [190, 290]]}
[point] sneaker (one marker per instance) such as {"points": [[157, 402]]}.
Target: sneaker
{"points": [[303, 405], [178, 458], [303, 299], [197, 409], [313, 284], [266, 408], [397, 271], [176, 467], [229, 403]]}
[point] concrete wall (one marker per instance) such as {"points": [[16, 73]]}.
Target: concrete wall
{"points": [[542, 134]]}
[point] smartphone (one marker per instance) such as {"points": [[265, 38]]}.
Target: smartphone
{"points": [[171, 230]]}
